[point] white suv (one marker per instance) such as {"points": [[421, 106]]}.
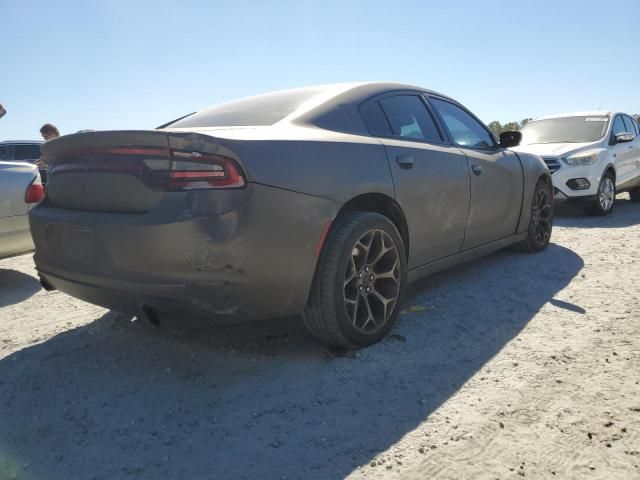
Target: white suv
{"points": [[591, 156]]}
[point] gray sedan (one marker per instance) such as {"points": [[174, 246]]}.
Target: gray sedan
{"points": [[321, 202]]}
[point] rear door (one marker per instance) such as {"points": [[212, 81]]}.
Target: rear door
{"points": [[496, 176], [431, 177]]}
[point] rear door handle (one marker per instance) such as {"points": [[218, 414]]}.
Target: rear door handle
{"points": [[476, 169], [405, 161]]}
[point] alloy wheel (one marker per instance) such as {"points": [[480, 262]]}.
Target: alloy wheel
{"points": [[606, 194], [372, 281], [541, 216]]}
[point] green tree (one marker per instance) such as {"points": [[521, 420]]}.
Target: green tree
{"points": [[497, 128]]}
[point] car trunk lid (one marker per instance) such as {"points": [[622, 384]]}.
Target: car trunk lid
{"points": [[130, 171]]}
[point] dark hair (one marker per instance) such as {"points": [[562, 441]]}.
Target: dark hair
{"points": [[47, 128]]}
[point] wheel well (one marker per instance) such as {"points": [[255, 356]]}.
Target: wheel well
{"points": [[547, 178], [612, 170], [384, 205]]}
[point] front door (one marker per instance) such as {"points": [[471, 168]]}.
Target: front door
{"points": [[496, 176]]}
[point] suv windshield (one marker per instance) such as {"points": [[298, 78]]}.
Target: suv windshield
{"points": [[264, 109], [565, 130]]}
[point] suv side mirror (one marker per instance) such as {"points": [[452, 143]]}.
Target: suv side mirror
{"points": [[510, 139], [624, 137]]}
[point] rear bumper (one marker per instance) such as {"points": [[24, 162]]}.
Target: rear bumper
{"points": [[223, 255]]}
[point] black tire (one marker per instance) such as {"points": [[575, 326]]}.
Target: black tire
{"points": [[634, 194], [333, 318], [541, 222], [600, 208]]}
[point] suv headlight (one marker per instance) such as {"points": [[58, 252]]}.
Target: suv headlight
{"points": [[582, 158]]}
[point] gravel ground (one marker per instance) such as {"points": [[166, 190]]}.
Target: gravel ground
{"points": [[518, 366]]}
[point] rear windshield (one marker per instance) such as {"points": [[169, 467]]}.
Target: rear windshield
{"points": [[565, 130], [264, 109], [27, 152], [19, 152]]}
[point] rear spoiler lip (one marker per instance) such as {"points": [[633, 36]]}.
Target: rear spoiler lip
{"points": [[150, 138]]}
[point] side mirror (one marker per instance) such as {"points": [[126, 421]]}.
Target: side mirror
{"points": [[510, 139], [624, 137]]}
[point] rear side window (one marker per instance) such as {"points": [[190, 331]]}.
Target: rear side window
{"points": [[465, 130], [264, 109], [27, 152], [375, 120], [410, 118]]}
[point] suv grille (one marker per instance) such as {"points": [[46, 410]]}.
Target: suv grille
{"points": [[553, 164]]}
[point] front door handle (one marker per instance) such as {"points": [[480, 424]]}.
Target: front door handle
{"points": [[405, 161], [476, 169]]}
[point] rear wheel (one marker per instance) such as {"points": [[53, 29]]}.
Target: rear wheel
{"points": [[357, 292], [605, 197], [541, 222]]}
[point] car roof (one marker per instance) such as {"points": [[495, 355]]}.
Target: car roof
{"points": [[21, 142], [586, 113]]}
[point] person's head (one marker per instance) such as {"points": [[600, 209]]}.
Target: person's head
{"points": [[49, 131]]}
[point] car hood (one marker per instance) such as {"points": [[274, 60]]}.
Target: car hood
{"points": [[554, 149]]}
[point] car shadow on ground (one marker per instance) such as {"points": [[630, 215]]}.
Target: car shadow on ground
{"points": [[16, 286], [625, 213], [119, 399]]}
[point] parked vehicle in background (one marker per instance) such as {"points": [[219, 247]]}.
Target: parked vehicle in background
{"points": [[20, 150], [321, 201], [591, 155], [20, 188]]}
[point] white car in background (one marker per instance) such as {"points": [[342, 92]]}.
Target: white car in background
{"points": [[591, 156], [20, 189]]}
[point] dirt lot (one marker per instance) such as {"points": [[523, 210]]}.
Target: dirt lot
{"points": [[520, 366]]}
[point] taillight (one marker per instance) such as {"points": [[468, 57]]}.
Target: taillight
{"points": [[35, 191], [194, 170]]}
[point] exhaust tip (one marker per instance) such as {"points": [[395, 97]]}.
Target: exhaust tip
{"points": [[151, 315], [46, 285]]}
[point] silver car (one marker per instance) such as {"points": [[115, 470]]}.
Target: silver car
{"points": [[322, 201], [20, 188]]}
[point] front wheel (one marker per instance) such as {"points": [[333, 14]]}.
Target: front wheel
{"points": [[541, 222], [605, 197], [357, 291]]}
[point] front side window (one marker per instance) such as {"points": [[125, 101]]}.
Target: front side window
{"points": [[574, 129], [618, 126], [630, 126], [410, 118], [465, 130]]}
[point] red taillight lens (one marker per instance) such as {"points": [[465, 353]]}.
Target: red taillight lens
{"points": [[193, 170], [35, 191]]}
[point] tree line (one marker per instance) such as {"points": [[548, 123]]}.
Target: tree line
{"points": [[497, 127]]}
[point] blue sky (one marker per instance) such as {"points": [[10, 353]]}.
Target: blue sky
{"points": [[137, 64]]}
